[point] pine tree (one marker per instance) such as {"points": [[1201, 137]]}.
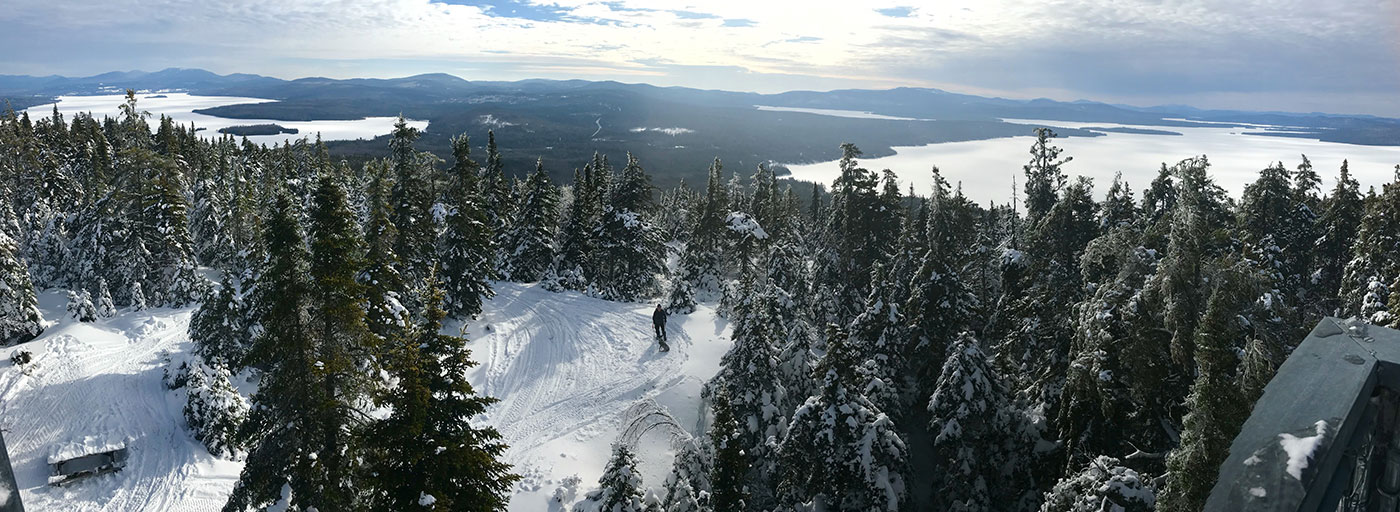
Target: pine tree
{"points": [[495, 198], [1044, 179], [529, 245], [428, 449], [466, 253], [1181, 272], [850, 247]]}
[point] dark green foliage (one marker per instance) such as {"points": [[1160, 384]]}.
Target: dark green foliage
{"points": [[728, 477], [529, 245], [467, 251], [428, 445]]}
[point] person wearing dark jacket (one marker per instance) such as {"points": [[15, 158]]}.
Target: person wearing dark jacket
{"points": [[658, 322]]}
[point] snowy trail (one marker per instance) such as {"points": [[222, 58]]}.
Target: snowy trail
{"points": [[566, 368]]}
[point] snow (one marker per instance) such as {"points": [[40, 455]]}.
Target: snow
{"points": [[566, 367], [181, 106], [1258, 492], [856, 114], [742, 223], [426, 500], [1300, 449], [987, 167], [674, 131]]}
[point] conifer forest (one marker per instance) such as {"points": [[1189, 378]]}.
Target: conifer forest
{"points": [[1077, 346]]}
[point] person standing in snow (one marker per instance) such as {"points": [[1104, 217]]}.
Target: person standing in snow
{"points": [[658, 322]]}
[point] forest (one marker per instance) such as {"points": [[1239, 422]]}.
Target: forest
{"points": [[893, 350]]}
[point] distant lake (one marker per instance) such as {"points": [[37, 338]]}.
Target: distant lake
{"points": [[857, 114], [986, 167], [181, 107]]}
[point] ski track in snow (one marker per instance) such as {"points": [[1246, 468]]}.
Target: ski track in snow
{"points": [[103, 380], [565, 367]]}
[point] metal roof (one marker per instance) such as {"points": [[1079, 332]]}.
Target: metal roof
{"points": [[1323, 436]]}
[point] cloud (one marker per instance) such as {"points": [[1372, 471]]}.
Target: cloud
{"points": [[1291, 52]]}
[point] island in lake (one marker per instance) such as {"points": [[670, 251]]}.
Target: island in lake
{"points": [[257, 129]]}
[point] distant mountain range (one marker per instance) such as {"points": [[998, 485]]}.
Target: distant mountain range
{"points": [[565, 121]]}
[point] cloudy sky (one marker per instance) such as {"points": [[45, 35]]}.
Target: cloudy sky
{"points": [[1340, 56]]}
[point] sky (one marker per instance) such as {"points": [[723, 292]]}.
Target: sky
{"points": [[1336, 56]]}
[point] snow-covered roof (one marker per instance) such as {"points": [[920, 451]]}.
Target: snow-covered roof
{"points": [[87, 446]]}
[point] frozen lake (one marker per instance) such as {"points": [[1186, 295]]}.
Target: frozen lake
{"points": [[181, 106], [986, 167]]}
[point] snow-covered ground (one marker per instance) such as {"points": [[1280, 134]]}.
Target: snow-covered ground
{"points": [[570, 371]]}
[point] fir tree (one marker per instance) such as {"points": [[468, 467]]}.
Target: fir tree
{"points": [[105, 307], [466, 252], [384, 285], [1044, 179]]}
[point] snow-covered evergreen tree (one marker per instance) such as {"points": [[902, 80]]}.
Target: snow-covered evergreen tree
{"points": [[528, 246], [701, 270], [80, 306], [214, 410], [971, 427], [840, 451], [620, 487], [1104, 484], [630, 256], [467, 254], [105, 307]]}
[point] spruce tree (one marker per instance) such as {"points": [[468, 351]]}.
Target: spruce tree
{"points": [[385, 287], [970, 425], [529, 244], [219, 327], [620, 487], [730, 474], [466, 251], [1044, 179], [701, 267], [80, 306], [411, 201], [342, 342], [428, 449], [630, 255], [494, 193], [280, 431], [1341, 217], [840, 451], [1216, 407], [1104, 484]]}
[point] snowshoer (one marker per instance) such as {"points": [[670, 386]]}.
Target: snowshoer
{"points": [[658, 322]]}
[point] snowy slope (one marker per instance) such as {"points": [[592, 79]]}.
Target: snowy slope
{"points": [[101, 382], [567, 368]]}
